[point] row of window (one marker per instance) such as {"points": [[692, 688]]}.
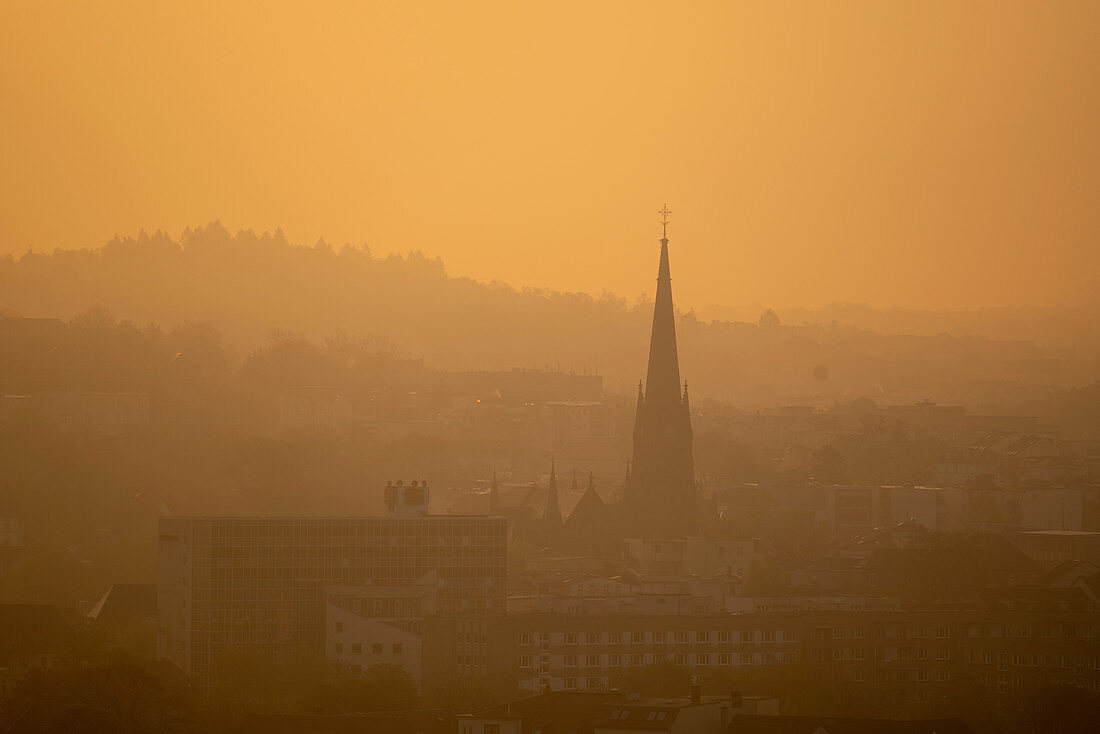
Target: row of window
{"points": [[684, 659], [376, 648], [678, 638]]}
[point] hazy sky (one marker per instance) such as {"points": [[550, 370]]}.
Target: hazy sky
{"points": [[927, 154]]}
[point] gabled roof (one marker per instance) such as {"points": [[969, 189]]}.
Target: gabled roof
{"points": [[590, 510]]}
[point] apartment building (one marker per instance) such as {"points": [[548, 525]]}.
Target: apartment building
{"points": [[887, 657], [259, 583]]}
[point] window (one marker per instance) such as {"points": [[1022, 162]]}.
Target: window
{"points": [[491, 729], [788, 635], [592, 661], [769, 635], [658, 638], [702, 659], [339, 648], [525, 661], [723, 638], [942, 675], [525, 638], [943, 631], [357, 648], [570, 638], [746, 636], [635, 638], [592, 683], [397, 647], [570, 661], [681, 659], [681, 638], [859, 654], [570, 684], [376, 648], [702, 637], [339, 627], [615, 661], [725, 659], [943, 653], [615, 638], [637, 659], [592, 638]]}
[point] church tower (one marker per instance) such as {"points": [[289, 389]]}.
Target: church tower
{"points": [[659, 496]]}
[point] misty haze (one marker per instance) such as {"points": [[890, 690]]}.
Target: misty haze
{"points": [[356, 377]]}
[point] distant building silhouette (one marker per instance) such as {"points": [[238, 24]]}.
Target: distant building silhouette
{"points": [[659, 496], [267, 584]]}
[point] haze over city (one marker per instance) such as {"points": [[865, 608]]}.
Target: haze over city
{"points": [[497, 368], [899, 147]]}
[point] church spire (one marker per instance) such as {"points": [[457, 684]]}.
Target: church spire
{"points": [[659, 496], [662, 386], [553, 508]]}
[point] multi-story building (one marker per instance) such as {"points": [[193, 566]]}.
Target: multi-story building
{"points": [[259, 583], [372, 625], [886, 658]]}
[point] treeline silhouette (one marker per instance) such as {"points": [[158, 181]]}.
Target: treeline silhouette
{"points": [[248, 285]]}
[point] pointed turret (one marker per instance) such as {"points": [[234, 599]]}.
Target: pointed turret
{"points": [[662, 383], [553, 508]]}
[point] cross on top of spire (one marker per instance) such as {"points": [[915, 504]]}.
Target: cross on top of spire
{"points": [[664, 212]]}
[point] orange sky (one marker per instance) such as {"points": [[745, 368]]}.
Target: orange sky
{"points": [[924, 154]]}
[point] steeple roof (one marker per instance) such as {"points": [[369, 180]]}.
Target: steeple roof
{"points": [[590, 511], [662, 385], [553, 507]]}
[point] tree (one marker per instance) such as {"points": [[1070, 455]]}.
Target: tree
{"points": [[120, 697], [769, 319]]}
